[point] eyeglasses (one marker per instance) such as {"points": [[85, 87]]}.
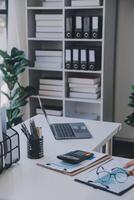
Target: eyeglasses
{"points": [[120, 175]]}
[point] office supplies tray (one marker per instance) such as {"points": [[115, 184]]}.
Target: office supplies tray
{"points": [[9, 149]]}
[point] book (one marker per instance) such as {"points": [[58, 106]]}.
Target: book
{"points": [[84, 85], [52, 4], [84, 90], [49, 35], [51, 87], [84, 95], [71, 169], [85, 3], [48, 59], [48, 17], [89, 116], [48, 53], [49, 29], [50, 93], [50, 110], [92, 80], [51, 81], [51, 23], [54, 65]]}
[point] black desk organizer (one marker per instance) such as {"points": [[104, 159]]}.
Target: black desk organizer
{"points": [[9, 149]]}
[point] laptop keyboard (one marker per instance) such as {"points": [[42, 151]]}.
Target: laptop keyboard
{"points": [[62, 130]]}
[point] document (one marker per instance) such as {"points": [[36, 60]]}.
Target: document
{"points": [[111, 185], [78, 26]]}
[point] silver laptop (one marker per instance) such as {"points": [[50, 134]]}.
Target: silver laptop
{"points": [[62, 131]]}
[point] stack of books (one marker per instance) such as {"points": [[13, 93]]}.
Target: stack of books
{"points": [[52, 87], [84, 88], [49, 26], [48, 59], [52, 3], [85, 3], [50, 110]]}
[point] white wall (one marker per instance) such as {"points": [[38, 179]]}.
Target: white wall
{"points": [[124, 64], [16, 24]]}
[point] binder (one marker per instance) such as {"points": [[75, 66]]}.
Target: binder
{"points": [[68, 59], [91, 60], [78, 26], [94, 58], [96, 27], [69, 27], [87, 27], [83, 59], [75, 58]]}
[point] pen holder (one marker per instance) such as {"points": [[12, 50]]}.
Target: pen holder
{"points": [[35, 148]]}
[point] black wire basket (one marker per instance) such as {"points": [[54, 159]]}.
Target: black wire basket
{"points": [[9, 149]]}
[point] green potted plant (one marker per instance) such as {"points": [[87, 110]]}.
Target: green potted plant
{"points": [[12, 66], [130, 118]]}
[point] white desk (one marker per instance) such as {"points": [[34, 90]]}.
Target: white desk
{"points": [[27, 181]]}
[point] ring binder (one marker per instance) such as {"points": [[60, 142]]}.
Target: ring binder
{"points": [[69, 26], [87, 27], [75, 59], [68, 59], [83, 59], [78, 26]]}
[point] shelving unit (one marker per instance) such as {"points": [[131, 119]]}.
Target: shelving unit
{"points": [[74, 107]]}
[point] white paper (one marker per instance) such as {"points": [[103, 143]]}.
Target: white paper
{"points": [[114, 186]]}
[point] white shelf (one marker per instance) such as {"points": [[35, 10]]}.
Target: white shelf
{"points": [[102, 107], [44, 69], [83, 8], [83, 71], [98, 101], [43, 8], [83, 40], [47, 97], [43, 39]]}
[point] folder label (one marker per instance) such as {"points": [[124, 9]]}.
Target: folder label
{"points": [[83, 55], [79, 22], [92, 55], [95, 23], [75, 55]]}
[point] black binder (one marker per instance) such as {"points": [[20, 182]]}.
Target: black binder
{"points": [[69, 27], [87, 27], [94, 58], [96, 27], [75, 59], [78, 26], [68, 59], [83, 59]]}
